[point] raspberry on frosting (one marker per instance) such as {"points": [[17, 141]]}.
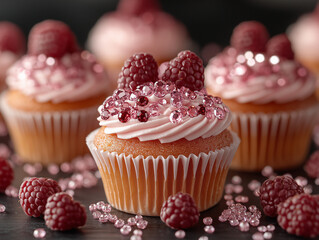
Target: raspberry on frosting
{"points": [[11, 38], [280, 45], [51, 38], [250, 36], [137, 7]]}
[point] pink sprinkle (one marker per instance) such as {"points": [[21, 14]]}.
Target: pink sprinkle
{"points": [[176, 117], [119, 223], [244, 226], [238, 188], [141, 224], [233, 222], [308, 189], [99, 205], [254, 185], [138, 232], [180, 234], [301, 181], [2, 208], [209, 229], [29, 169], [257, 193], [254, 222], [112, 218], [131, 221], [103, 218], [92, 207], [126, 229], [228, 197], [138, 217], [96, 214], [229, 202], [267, 235], [258, 236], [267, 171], [207, 220], [271, 227], [4, 150], [203, 238], [70, 192], [39, 233], [12, 191], [53, 169], [106, 208], [222, 218], [66, 167], [236, 179], [262, 229], [241, 199], [135, 237], [252, 208], [317, 181]]}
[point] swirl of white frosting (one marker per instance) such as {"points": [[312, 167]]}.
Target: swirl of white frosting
{"points": [[161, 128], [72, 78], [258, 84], [116, 36]]}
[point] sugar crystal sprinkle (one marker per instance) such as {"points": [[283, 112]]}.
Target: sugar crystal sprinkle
{"points": [[39, 233], [180, 234]]}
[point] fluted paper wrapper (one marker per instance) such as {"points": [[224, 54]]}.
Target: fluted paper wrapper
{"points": [[280, 140], [49, 137], [141, 184]]}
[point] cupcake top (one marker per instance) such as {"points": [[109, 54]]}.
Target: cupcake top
{"points": [[304, 35], [137, 26], [54, 69], [257, 70], [12, 46], [165, 107]]}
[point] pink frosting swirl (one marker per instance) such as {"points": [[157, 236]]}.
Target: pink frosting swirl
{"points": [[179, 114], [7, 58], [257, 78], [72, 78], [117, 36]]}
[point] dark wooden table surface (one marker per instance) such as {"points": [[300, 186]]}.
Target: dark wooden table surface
{"points": [[14, 224]]}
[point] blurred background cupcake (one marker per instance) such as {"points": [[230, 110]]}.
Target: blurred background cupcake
{"points": [[136, 26], [12, 47], [272, 97], [166, 136], [304, 36], [53, 94]]}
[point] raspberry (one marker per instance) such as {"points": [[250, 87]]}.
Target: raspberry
{"points": [[249, 36], [299, 215], [137, 7], [34, 193], [63, 213], [281, 46], [52, 38], [11, 38], [185, 70], [6, 174], [138, 69], [179, 211], [276, 190], [312, 165]]}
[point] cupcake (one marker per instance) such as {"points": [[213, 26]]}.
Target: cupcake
{"points": [[304, 36], [12, 47], [161, 136], [53, 94], [136, 26], [271, 96]]}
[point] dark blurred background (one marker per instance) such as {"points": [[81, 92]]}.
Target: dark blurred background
{"points": [[207, 20]]}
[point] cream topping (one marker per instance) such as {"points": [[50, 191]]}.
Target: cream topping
{"points": [[72, 78], [116, 37], [257, 78], [160, 125]]}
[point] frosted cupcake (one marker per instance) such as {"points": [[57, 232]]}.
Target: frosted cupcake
{"points": [[53, 94], [304, 36], [136, 26], [12, 47], [270, 94], [162, 136]]}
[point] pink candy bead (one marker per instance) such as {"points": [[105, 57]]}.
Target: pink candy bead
{"points": [[39, 233], [207, 220], [180, 234], [209, 229]]}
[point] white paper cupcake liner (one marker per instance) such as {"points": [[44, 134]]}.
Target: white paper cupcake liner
{"points": [[49, 137], [280, 140], [141, 184]]}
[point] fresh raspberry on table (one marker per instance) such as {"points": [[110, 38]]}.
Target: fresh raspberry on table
{"points": [[11, 38], [280, 46], [138, 69], [299, 215], [34, 193], [51, 38], [6, 174], [186, 70], [179, 211], [276, 190], [312, 165], [63, 213], [249, 36]]}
